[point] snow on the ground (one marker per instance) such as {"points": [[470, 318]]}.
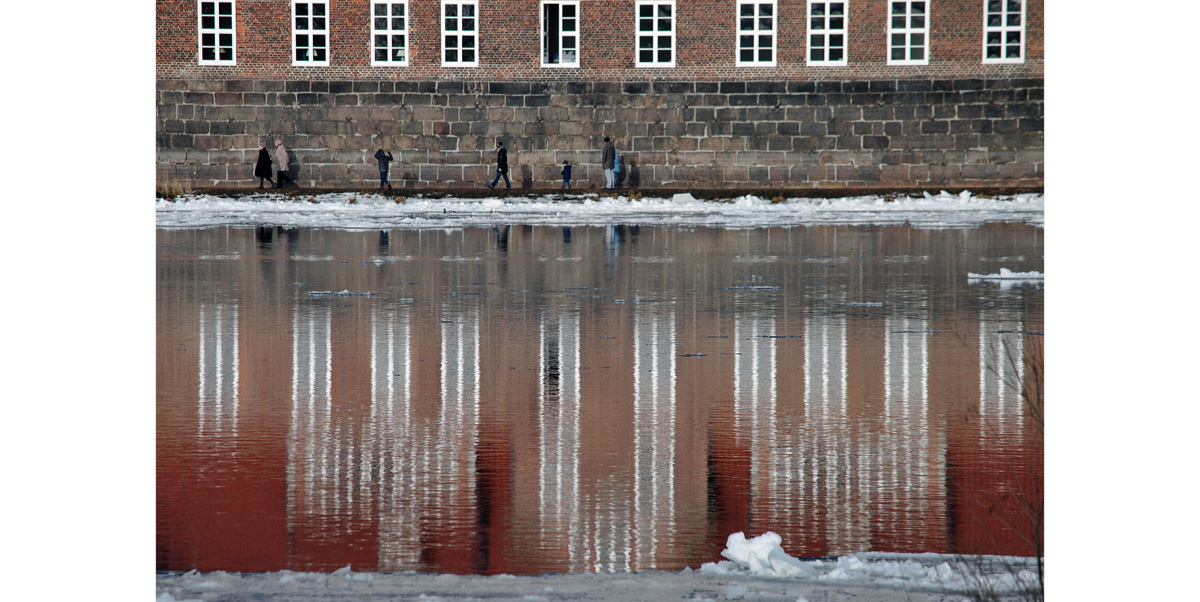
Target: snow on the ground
{"points": [[349, 210], [756, 569], [1007, 279]]}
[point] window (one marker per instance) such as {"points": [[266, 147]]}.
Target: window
{"points": [[389, 33], [908, 33], [310, 33], [460, 33], [217, 41], [655, 33], [560, 34], [1004, 31], [756, 33], [827, 32]]}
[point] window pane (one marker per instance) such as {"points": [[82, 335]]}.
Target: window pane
{"points": [[897, 54], [302, 9], [451, 24], [645, 42], [918, 54], [1013, 37], [208, 54], [646, 10], [207, 8], [898, 8], [302, 23], [897, 22], [226, 22], [568, 11], [568, 25], [381, 10], [398, 23], [468, 24], [468, 56], [818, 23], [835, 54], [380, 41], [226, 54], [319, 41], [451, 41], [746, 42], [397, 10], [568, 42], [993, 52], [664, 10], [451, 10], [746, 55], [468, 41], [646, 25], [746, 24], [301, 55], [1014, 19], [918, 39], [993, 21], [319, 23], [918, 23], [1014, 52], [468, 10], [1014, 6], [302, 40], [835, 40], [451, 55], [319, 10], [764, 41], [207, 23], [381, 54], [397, 54], [664, 25], [664, 56], [994, 6], [645, 56], [381, 23], [765, 10], [764, 55], [816, 54], [398, 41], [918, 8], [227, 39], [765, 24], [837, 23], [664, 41], [837, 8], [208, 39], [993, 37], [897, 39], [818, 9], [817, 40]]}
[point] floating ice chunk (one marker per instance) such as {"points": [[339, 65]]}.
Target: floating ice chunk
{"points": [[763, 555], [343, 571], [683, 197], [1007, 274], [165, 598]]}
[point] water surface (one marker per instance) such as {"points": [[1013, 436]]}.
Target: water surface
{"points": [[546, 399]]}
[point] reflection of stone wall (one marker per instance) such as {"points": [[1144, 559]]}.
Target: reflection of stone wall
{"points": [[758, 135]]}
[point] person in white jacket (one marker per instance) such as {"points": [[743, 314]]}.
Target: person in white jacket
{"points": [[281, 164]]}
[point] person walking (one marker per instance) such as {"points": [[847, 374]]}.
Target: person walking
{"points": [[566, 174], [281, 164], [262, 168], [501, 166], [607, 159], [383, 158]]}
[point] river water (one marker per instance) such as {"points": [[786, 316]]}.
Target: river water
{"points": [[542, 399]]}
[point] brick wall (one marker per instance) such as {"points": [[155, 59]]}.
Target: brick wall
{"points": [[908, 134], [509, 44]]}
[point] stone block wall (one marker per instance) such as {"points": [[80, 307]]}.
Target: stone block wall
{"points": [[877, 135]]}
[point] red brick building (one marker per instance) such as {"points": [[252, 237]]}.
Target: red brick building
{"points": [[840, 93]]}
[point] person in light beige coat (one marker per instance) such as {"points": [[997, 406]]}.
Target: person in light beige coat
{"points": [[281, 164]]}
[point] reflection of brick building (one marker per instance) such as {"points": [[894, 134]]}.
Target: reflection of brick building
{"points": [[476, 414]]}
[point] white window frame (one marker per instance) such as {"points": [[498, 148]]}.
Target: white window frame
{"points": [[908, 31], [756, 33], [458, 32], [827, 31], [388, 18], [542, 34], [311, 32], [1004, 29], [216, 30], [637, 55]]}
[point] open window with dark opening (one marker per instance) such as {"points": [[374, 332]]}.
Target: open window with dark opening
{"points": [[560, 34]]}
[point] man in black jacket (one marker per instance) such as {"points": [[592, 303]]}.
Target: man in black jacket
{"points": [[383, 158], [501, 166]]}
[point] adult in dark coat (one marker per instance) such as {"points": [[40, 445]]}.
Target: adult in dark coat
{"points": [[262, 168], [383, 158], [501, 166], [607, 158]]}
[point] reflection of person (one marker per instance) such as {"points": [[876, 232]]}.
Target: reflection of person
{"points": [[501, 166], [607, 159], [384, 159], [262, 168], [566, 174], [281, 164]]}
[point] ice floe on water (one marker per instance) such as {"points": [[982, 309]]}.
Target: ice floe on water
{"points": [[1007, 274], [755, 568], [349, 210]]}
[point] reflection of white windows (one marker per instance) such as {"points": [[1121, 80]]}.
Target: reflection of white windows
{"points": [[908, 33], [219, 369], [460, 33], [217, 40], [827, 32], [389, 33], [756, 33], [560, 34], [655, 33], [310, 33], [1004, 31]]}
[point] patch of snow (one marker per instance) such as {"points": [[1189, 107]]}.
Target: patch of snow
{"points": [[1007, 274], [374, 211]]}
